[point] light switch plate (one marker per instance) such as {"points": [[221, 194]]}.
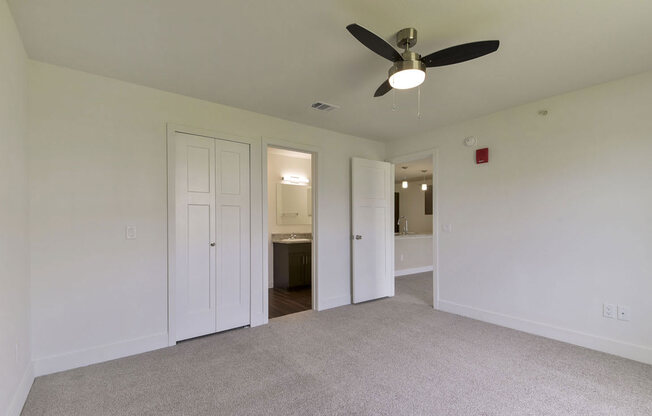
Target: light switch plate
{"points": [[609, 310], [130, 232]]}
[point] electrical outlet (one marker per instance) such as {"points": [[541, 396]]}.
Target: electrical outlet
{"points": [[609, 310], [624, 313]]}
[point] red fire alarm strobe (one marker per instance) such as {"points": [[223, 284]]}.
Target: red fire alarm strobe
{"points": [[482, 155]]}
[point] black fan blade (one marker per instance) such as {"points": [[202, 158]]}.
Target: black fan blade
{"points": [[460, 53], [374, 42], [383, 89]]}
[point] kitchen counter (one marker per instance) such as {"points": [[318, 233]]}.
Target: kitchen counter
{"points": [[412, 254]]}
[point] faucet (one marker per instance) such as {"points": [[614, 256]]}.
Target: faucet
{"points": [[293, 236], [405, 224]]}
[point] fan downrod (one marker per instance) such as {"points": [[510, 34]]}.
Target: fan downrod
{"points": [[406, 38]]}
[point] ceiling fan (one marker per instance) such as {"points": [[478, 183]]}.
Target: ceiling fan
{"points": [[409, 69]]}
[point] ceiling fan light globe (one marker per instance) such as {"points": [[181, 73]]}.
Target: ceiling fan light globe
{"points": [[407, 78], [408, 73]]}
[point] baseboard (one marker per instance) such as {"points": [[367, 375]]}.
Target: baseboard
{"points": [[413, 270], [610, 346], [94, 355], [334, 302], [20, 396]]}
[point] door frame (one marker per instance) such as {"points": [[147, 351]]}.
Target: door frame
{"points": [[410, 157], [315, 167], [257, 313]]}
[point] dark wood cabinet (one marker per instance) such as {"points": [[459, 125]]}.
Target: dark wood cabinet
{"points": [[292, 265], [428, 195], [397, 215]]}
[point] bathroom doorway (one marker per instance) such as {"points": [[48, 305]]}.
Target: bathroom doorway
{"points": [[290, 230], [415, 230]]}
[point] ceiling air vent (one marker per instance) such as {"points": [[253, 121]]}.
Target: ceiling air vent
{"points": [[324, 106]]}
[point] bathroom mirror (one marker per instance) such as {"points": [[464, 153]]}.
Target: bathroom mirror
{"points": [[293, 204]]}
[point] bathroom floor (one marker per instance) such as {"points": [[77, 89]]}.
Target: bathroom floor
{"points": [[284, 302]]}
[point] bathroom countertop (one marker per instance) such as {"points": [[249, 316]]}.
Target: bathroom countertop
{"points": [[300, 238], [411, 236], [294, 241]]}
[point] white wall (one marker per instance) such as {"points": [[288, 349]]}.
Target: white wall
{"points": [[97, 152], [558, 222], [15, 355], [412, 205], [277, 166]]}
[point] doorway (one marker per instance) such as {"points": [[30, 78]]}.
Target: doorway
{"points": [[415, 226], [290, 231]]}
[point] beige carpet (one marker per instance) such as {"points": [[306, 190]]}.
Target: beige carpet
{"points": [[389, 357]]}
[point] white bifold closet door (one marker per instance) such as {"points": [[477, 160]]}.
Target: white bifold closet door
{"points": [[212, 235]]}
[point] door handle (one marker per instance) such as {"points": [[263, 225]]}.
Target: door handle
{"points": [[212, 244], [358, 237]]}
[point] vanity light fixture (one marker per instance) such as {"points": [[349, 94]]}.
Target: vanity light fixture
{"points": [[424, 185], [295, 180]]}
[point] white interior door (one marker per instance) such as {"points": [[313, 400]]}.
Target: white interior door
{"points": [[212, 221], [233, 224], [195, 232], [373, 230]]}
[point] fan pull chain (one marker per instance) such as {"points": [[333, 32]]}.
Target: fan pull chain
{"points": [[394, 107], [419, 103]]}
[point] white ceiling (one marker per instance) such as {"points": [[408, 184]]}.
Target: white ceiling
{"points": [[413, 170], [278, 57]]}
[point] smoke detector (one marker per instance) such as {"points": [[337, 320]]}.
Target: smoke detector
{"points": [[470, 141]]}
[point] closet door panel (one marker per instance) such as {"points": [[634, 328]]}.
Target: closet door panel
{"points": [[194, 230], [233, 231]]}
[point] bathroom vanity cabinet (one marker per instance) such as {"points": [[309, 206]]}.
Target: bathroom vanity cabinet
{"points": [[292, 265]]}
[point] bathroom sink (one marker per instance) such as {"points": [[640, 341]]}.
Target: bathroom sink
{"points": [[295, 240]]}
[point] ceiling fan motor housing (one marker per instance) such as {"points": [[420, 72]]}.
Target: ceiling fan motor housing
{"points": [[406, 38]]}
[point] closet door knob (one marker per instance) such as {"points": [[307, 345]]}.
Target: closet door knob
{"points": [[212, 244]]}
